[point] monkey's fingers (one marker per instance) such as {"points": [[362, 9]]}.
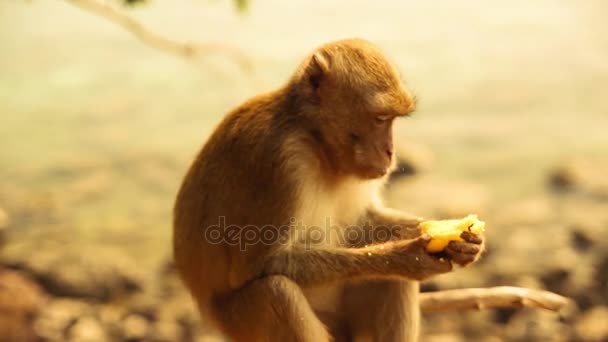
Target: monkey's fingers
{"points": [[461, 259], [471, 237], [463, 247], [422, 240]]}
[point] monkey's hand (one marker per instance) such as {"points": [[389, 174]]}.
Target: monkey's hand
{"points": [[416, 262], [467, 251], [411, 259]]}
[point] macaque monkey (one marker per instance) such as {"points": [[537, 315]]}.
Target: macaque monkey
{"points": [[279, 229]]}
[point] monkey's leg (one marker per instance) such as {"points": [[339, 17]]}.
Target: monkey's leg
{"points": [[270, 309], [383, 310]]}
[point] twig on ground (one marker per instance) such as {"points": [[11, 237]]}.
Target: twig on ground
{"points": [[493, 297]]}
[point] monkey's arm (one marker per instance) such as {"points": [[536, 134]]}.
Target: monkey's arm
{"points": [[311, 265], [380, 225]]}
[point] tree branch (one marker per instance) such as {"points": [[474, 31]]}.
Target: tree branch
{"points": [[493, 297], [154, 40]]}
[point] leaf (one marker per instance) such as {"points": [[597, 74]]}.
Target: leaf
{"points": [[133, 3], [241, 5]]}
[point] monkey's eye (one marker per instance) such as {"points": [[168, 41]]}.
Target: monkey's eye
{"points": [[354, 138], [382, 119]]}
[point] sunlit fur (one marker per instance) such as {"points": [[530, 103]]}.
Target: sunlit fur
{"points": [[313, 152]]}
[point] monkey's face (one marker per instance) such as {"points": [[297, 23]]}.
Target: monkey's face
{"points": [[372, 148], [367, 145], [359, 93], [359, 132]]}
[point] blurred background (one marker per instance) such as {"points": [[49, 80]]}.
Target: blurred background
{"points": [[97, 130]]}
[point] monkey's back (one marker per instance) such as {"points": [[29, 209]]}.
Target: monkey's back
{"points": [[237, 180]]}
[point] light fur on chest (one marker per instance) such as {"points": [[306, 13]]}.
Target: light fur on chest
{"points": [[323, 212], [323, 204], [325, 209], [331, 210]]}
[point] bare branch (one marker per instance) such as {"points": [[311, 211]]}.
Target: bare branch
{"points": [[154, 40], [493, 297]]}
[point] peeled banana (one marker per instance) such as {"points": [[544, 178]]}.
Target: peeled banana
{"points": [[444, 231]]}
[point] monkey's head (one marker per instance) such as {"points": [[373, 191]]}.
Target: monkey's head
{"points": [[352, 95]]}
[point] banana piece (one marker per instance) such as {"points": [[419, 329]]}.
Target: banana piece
{"points": [[444, 231]]}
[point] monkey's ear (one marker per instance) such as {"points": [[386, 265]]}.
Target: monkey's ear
{"points": [[318, 68]]}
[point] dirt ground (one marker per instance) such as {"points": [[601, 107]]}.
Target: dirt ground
{"points": [[97, 129]]}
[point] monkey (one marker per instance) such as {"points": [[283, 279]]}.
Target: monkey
{"points": [[279, 231]]}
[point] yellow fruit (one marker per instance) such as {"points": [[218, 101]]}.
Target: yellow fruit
{"points": [[444, 231]]}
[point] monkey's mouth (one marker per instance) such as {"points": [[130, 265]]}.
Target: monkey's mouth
{"points": [[373, 172]]}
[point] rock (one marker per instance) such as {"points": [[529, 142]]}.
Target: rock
{"points": [[87, 329], [111, 317], [601, 278], [587, 176], [581, 239], [145, 305], [167, 331], [170, 283], [476, 325], [20, 301], [562, 178], [504, 315], [58, 317], [587, 228], [593, 325], [92, 272], [569, 274], [556, 279], [111, 314], [181, 310], [135, 327], [536, 325]]}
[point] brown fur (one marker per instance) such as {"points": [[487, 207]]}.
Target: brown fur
{"points": [[314, 150]]}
